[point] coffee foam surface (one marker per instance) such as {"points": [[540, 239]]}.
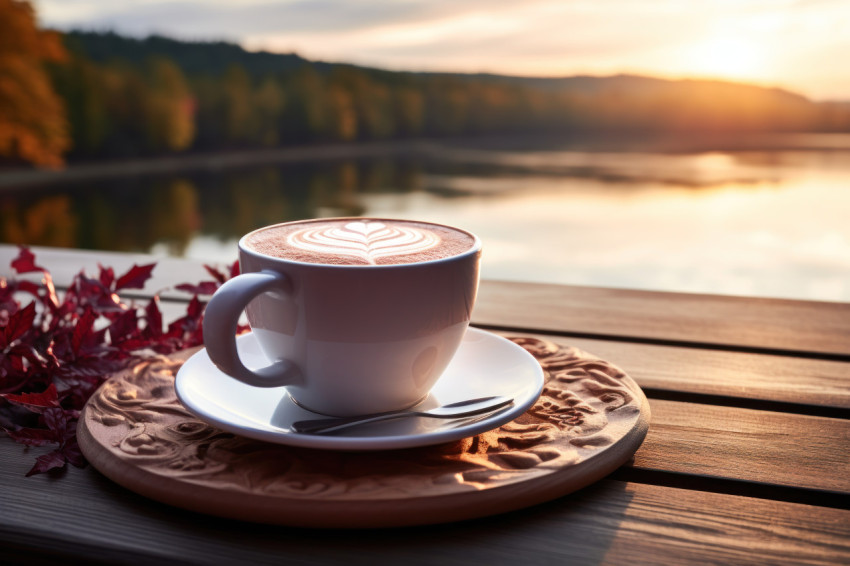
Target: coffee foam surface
{"points": [[360, 242]]}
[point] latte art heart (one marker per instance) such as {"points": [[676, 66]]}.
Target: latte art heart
{"points": [[359, 241], [368, 241]]}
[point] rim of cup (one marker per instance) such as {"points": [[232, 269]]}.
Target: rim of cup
{"points": [[475, 248]]}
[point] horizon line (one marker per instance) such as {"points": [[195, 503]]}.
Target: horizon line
{"points": [[671, 77]]}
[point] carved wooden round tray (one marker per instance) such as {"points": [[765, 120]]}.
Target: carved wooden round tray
{"points": [[590, 420]]}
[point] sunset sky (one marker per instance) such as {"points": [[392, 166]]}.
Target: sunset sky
{"points": [[802, 45]]}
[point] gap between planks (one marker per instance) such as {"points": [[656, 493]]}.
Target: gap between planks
{"points": [[838, 357], [728, 486], [172, 308], [747, 403], [731, 379], [169, 297]]}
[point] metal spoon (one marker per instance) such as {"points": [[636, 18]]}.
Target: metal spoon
{"points": [[460, 409]]}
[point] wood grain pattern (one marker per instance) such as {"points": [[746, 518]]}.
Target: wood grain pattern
{"points": [[589, 420], [808, 326], [742, 444], [760, 377], [608, 523], [85, 517]]}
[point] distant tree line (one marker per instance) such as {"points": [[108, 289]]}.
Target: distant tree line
{"points": [[32, 121], [112, 96]]}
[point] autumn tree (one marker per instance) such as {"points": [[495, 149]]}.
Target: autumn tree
{"points": [[125, 92], [307, 114], [33, 127], [408, 107], [447, 105], [169, 107], [366, 104], [129, 97], [80, 83], [269, 101], [236, 107]]}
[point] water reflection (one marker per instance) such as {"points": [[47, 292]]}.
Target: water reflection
{"points": [[750, 222], [48, 220]]}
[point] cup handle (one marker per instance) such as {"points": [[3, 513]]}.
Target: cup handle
{"points": [[221, 319]]}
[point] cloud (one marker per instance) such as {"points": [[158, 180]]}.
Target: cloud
{"points": [[792, 44], [192, 18]]}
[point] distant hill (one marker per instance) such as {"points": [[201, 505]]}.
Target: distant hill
{"points": [[193, 57], [129, 97], [214, 58], [636, 84]]}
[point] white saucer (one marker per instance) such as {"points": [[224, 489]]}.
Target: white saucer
{"points": [[484, 365]]}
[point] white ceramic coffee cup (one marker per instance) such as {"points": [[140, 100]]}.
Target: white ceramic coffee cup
{"points": [[345, 339]]}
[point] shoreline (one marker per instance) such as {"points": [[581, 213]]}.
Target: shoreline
{"points": [[17, 179], [425, 147]]}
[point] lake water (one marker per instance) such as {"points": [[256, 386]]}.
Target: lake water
{"points": [[740, 217]]}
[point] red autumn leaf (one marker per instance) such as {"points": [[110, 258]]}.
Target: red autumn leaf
{"points": [[12, 362], [234, 269], [217, 275], [56, 355], [56, 419], [99, 337], [135, 277], [123, 326], [83, 330], [107, 276], [188, 331], [202, 288], [25, 262], [130, 345], [29, 353], [8, 304], [91, 292], [35, 402], [11, 380], [72, 453], [29, 287], [92, 369], [195, 308], [47, 462], [22, 365], [18, 325], [153, 317], [76, 389]]}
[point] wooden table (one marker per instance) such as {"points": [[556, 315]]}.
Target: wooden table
{"points": [[747, 459]]}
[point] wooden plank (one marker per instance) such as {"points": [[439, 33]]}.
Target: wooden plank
{"points": [[733, 323], [86, 516], [742, 444], [784, 379], [819, 384], [729, 322], [739, 377], [758, 377], [731, 442]]}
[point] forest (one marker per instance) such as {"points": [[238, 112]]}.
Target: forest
{"points": [[98, 95]]}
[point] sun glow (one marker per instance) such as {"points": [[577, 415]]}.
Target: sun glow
{"points": [[727, 57]]}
